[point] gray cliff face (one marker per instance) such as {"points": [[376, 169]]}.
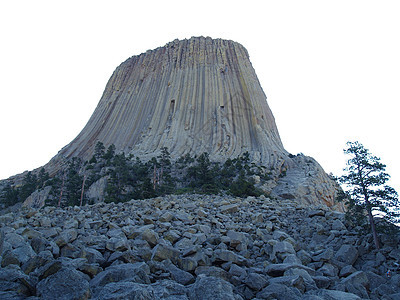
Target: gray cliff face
{"points": [[191, 96]]}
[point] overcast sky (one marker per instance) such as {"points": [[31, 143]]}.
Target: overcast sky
{"points": [[330, 69]]}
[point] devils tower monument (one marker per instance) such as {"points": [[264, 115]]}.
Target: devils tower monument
{"points": [[194, 96], [191, 96]]}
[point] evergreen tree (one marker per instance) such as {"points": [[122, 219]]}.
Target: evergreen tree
{"points": [[367, 191], [166, 182], [202, 174], [146, 190], [119, 178], [99, 150], [108, 156], [9, 195], [28, 187], [242, 187], [73, 182], [43, 177]]}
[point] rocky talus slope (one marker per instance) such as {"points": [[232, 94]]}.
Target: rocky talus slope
{"points": [[192, 247]]}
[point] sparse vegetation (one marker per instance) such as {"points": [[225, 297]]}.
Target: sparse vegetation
{"points": [[130, 178]]}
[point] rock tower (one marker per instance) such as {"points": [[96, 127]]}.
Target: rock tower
{"points": [[193, 96]]}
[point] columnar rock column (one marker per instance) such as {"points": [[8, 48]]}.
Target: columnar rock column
{"points": [[192, 96]]}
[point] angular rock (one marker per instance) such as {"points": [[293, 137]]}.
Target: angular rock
{"points": [[91, 269], [327, 255], [11, 295], [338, 225], [230, 208], [125, 290], [290, 281], [328, 270], [212, 271], [188, 264], [374, 280], [211, 288], [162, 252], [65, 284], [304, 256], [49, 268], [96, 192], [117, 244], [346, 271], [228, 256], [150, 236], [292, 259], [276, 270], [256, 281], [92, 255], [282, 249], [65, 237], [347, 254], [14, 281], [39, 244], [309, 282], [279, 292], [37, 261], [70, 251], [333, 295], [358, 277], [172, 236], [166, 217], [236, 238], [137, 272], [322, 282], [37, 199], [237, 271], [178, 275], [169, 289]]}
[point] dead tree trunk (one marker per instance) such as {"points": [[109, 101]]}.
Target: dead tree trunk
{"points": [[83, 190], [62, 190]]}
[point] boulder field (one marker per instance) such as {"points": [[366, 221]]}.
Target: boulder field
{"points": [[192, 247]]}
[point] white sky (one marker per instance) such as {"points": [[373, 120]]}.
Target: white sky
{"points": [[330, 69]]}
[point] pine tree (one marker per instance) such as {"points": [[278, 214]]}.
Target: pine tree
{"points": [[9, 195], [73, 182], [367, 191], [29, 186]]}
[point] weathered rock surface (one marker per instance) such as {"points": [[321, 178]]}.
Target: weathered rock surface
{"points": [[191, 96], [297, 252]]}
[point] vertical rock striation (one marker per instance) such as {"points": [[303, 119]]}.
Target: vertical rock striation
{"points": [[192, 96]]}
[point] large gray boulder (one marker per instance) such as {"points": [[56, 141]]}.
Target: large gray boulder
{"points": [[211, 288], [14, 282], [125, 290], [137, 272], [177, 274], [332, 295], [162, 252], [38, 198], [65, 284], [169, 289], [347, 254], [279, 292], [282, 249]]}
